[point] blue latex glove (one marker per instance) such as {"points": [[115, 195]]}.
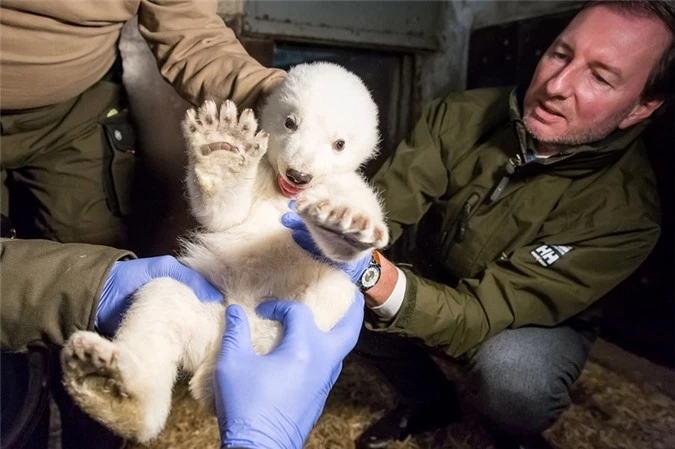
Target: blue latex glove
{"points": [[129, 275], [303, 238], [273, 401]]}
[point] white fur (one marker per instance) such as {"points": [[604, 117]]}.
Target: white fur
{"points": [[242, 247]]}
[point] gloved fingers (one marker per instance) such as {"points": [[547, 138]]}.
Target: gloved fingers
{"points": [[346, 332], [237, 336], [198, 283], [296, 318], [291, 204], [293, 221], [355, 269], [305, 241], [169, 266], [206, 292], [162, 266], [300, 234], [335, 374]]}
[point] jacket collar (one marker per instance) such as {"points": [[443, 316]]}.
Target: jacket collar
{"points": [[575, 160]]}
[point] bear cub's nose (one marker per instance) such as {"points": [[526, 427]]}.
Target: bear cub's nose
{"points": [[297, 177]]}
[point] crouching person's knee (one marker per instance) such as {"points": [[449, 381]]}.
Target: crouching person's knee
{"points": [[521, 406], [518, 391]]}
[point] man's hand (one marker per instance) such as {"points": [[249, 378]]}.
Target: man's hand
{"points": [[128, 276], [273, 401], [303, 238]]}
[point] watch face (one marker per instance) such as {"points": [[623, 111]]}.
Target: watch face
{"points": [[370, 277]]}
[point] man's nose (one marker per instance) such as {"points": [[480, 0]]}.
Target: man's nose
{"points": [[298, 178], [561, 84]]}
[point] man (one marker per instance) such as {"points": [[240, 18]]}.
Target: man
{"points": [[525, 209], [67, 158]]}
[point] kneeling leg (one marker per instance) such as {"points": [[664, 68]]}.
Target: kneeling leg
{"points": [[520, 379]]}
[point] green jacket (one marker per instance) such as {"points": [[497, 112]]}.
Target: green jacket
{"points": [[527, 242], [49, 289]]}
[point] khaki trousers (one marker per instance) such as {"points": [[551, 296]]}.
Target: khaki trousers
{"points": [[67, 169]]}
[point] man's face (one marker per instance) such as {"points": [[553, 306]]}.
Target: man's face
{"points": [[589, 82]]}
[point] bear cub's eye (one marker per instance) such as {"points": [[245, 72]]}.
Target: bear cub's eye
{"points": [[290, 124], [339, 145]]}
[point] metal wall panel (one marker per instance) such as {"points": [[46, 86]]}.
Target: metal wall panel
{"points": [[508, 53], [398, 24], [494, 12]]}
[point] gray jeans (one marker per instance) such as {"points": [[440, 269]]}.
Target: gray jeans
{"points": [[519, 380]]}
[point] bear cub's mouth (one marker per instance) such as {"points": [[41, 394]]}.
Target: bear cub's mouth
{"points": [[287, 189]]}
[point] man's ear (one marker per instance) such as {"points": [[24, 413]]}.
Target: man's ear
{"points": [[640, 112]]}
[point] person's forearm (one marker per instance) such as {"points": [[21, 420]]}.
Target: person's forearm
{"points": [[50, 289], [200, 56]]}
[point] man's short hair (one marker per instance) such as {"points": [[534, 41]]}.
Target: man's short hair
{"points": [[660, 84]]}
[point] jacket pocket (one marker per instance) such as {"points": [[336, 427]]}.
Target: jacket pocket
{"points": [[119, 147]]}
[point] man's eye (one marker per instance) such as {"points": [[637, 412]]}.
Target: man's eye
{"points": [[600, 79], [558, 55]]}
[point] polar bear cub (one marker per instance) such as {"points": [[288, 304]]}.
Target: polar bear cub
{"points": [[320, 126]]}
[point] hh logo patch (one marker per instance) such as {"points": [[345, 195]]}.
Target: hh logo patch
{"points": [[547, 255]]}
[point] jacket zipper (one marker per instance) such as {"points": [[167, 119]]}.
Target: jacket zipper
{"points": [[464, 215], [511, 166]]}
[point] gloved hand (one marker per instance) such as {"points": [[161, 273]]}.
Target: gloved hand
{"points": [[273, 401], [303, 238], [127, 276]]}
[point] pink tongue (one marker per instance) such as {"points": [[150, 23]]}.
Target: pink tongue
{"points": [[286, 188]]}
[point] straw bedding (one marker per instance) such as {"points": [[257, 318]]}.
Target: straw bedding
{"points": [[608, 412]]}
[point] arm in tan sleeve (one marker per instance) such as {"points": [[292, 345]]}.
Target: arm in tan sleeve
{"points": [[50, 289], [200, 56]]}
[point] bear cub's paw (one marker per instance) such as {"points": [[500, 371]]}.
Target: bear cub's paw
{"points": [[215, 136], [343, 232]]}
